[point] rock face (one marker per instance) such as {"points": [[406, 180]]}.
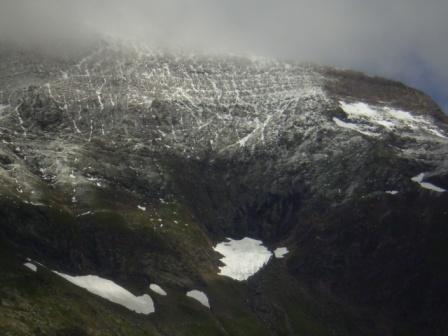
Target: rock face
{"points": [[131, 164]]}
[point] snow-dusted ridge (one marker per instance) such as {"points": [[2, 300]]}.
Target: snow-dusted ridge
{"points": [[193, 85], [193, 105]]}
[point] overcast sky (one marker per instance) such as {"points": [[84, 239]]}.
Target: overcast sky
{"points": [[401, 39]]}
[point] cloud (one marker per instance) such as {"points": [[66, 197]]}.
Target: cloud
{"points": [[403, 39]]}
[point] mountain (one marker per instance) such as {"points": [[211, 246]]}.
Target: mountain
{"points": [[122, 167]]}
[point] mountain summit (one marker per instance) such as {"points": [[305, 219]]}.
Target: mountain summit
{"points": [[157, 193]]}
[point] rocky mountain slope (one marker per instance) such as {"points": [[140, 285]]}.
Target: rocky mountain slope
{"points": [[132, 165]]}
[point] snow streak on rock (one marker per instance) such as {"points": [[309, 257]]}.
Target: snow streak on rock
{"points": [[30, 266], [353, 127], [157, 289]]}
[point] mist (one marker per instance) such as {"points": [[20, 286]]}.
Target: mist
{"points": [[400, 39]]}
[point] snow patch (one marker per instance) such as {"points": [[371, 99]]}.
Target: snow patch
{"points": [[437, 133], [358, 110], [157, 289], [391, 192], [418, 178], [353, 127], [390, 118], [199, 296], [142, 208], [30, 266], [85, 213], [280, 252], [109, 290], [242, 258], [426, 185]]}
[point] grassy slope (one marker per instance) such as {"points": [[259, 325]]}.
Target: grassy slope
{"points": [[178, 255]]}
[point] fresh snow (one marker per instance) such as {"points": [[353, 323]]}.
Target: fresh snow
{"points": [[85, 213], [391, 192], [242, 258], [199, 296], [386, 116], [358, 110], [432, 187], [109, 290], [437, 133], [389, 118], [352, 127], [419, 178], [157, 289], [30, 266], [426, 185], [280, 252]]}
